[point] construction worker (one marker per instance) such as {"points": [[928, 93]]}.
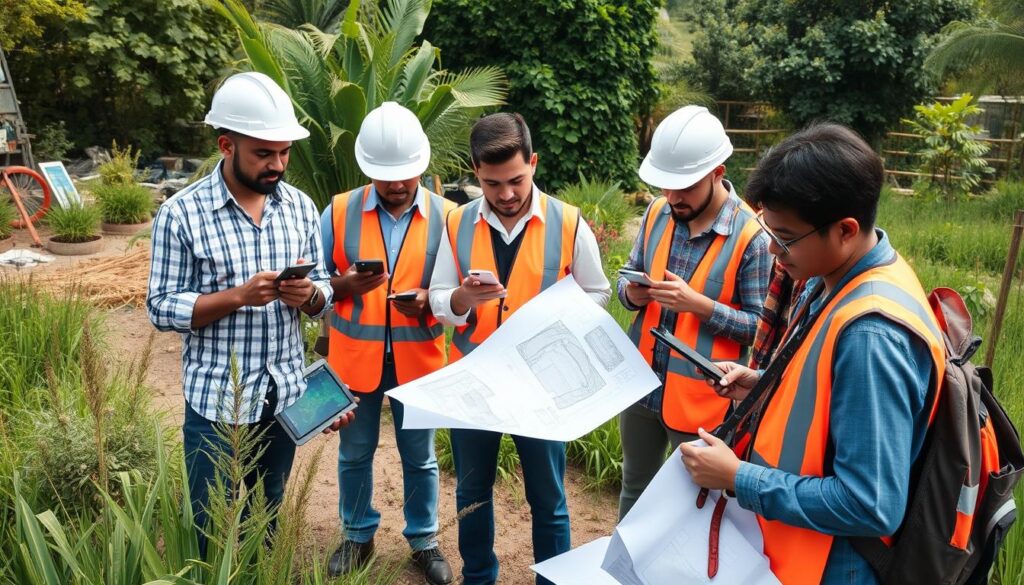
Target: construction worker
{"points": [[528, 241], [218, 246], [831, 449], [709, 262], [377, 340]]}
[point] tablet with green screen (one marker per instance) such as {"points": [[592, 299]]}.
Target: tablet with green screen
{"points": [[325, 400]]}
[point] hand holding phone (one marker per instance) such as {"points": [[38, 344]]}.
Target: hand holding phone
{"points": [[403, 296], [484, 276]]}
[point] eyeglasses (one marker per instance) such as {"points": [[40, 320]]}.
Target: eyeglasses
{"points": [[785, 244]]}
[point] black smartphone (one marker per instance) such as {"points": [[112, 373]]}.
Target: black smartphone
{"points": [[295, 271], [404, 296], [371, 266], [702, 363]]}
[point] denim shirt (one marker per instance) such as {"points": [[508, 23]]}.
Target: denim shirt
{"points": [[878, 420]]}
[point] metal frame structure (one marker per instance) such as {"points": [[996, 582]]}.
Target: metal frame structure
{"points": [[10, 116]]}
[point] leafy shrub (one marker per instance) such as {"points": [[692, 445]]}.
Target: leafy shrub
{"points": [[124, 203], [8, 213], [52, 142], [602, 203], [950, 156], [74, 223], [121, 168], [599, 453], [580, 73]]}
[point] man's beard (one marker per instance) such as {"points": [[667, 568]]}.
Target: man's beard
{"points": [[685, 217], [254, 183]]}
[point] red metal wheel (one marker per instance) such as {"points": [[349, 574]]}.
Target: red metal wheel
{"points": [[33, 191]]}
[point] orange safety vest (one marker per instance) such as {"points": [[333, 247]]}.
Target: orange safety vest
{"points": [[793, 432], [688, 403], [359, 325], [544, 257]]}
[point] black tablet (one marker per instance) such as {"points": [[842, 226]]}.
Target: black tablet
{"points": [[702, 363], [325, 400]]}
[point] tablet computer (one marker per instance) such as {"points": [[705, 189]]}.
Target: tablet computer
{"points": [[325, 400], [710, 370]]}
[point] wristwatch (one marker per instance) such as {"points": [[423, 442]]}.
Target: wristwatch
{"points": [[314, 298]]}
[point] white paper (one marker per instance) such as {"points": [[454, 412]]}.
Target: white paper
{"points": [[663, 540], [556, 369], [580, 566]]}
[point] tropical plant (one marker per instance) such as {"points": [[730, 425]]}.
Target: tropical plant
{"points": [[335, 79], [323, 14], [75, 223], [7, 214], [989, 51], [602, 204], [951, 158], [124, 204]]}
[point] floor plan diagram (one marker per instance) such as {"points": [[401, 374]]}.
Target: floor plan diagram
{"points": [[604, 348], [558, 360], [464, 396]]}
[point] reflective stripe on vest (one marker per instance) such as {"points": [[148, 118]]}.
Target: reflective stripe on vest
{"points": [[688, 403], [793, 434], [544, 258], [359, 325]]}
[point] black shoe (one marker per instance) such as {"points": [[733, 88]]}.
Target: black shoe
{"points": [[349, 557], [435, 569]]}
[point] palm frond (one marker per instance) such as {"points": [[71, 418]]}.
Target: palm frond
{"points": [[404, 20], [323, 14], [998, 44], [481, 87]]}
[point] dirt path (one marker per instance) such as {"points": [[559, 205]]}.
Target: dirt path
{"points": [[592, 514]]}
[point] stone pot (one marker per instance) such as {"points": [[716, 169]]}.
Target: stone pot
{"points": [[125, 229], [75, 248], [6, 244]]}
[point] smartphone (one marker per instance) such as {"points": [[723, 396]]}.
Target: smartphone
{"points": [[404, 296], [484, 276], [636, 277], [710, 370], [295, 271], [371, 266]]}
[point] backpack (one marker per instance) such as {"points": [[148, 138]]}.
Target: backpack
{"points": [[961, 494]]}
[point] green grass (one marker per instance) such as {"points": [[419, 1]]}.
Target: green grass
{"points": [[124, 204], [75, 223]]}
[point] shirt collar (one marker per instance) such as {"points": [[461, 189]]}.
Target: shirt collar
{"points": [[372, 201], [535, 211], [221, 195], [723, 221], [883, 253]]}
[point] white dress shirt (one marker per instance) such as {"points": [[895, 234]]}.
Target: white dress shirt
{"points": [[585, 268]]}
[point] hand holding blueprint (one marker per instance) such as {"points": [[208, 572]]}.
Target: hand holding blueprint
{"points": [[556, 369], [663, 540]]}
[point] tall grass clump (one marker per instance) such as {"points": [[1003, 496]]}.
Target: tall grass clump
{"points": [[8, 213], [599, 454], [602, 204], [74, 223], [124, 204]]}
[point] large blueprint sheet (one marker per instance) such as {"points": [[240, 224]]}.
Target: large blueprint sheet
{"points": [[556, 369]]}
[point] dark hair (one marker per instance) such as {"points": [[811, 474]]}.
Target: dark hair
{"points": [[823, 173], [497, 138]]}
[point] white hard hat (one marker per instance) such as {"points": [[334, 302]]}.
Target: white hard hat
{"points": [[391, 145], [253, 105], [687, 145]]}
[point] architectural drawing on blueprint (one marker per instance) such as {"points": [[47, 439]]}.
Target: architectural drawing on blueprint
{"points": [[464, 397], [557, 358], [604, 348]]}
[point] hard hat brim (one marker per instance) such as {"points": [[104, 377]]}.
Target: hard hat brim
{"points": [[395, 172], [662, 179], [286, 134]]}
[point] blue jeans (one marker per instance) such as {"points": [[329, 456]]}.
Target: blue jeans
{"points": [[476, 463], [202, 443], [358, 442]]}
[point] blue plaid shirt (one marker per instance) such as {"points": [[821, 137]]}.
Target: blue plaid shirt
{"points": [[204, 242], [684, 256]]}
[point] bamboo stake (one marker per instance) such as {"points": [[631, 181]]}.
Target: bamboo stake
{"points": [[1004, 288]]}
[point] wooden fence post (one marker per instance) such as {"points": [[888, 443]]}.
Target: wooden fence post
{"points": [[1004, 288]]}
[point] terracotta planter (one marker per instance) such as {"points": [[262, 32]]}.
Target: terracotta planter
{"points": [[6, 244], [76, 248], [125, 229]]}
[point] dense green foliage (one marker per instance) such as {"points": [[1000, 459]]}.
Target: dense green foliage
{"points": [[137, 71], [986, 54], [859, 63], [335, 79], [8, 213], [579, 72], [124, 204]]}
